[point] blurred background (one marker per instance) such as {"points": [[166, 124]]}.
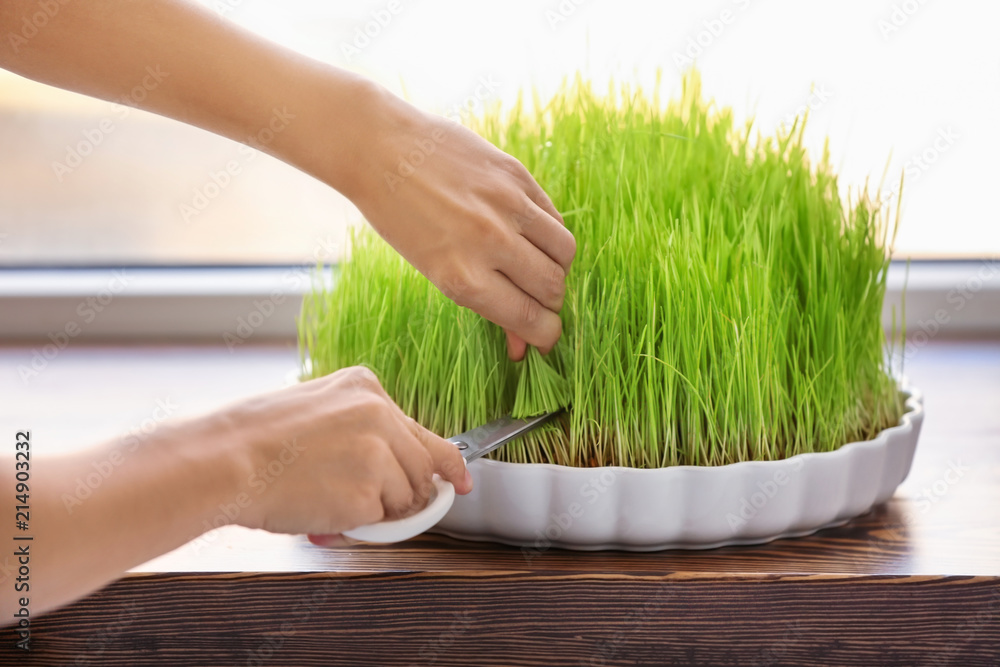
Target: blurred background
{"points": [[908, 86]]}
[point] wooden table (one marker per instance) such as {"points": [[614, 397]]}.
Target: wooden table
{"points": [[917, 581]]}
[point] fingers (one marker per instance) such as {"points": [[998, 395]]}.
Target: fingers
{"points": [[398, 495], [413, 458], [436, 455], [404, 471], [534, 272], [543, 227], [504, 303], [535, 191], [537, 265], [494, 296], [407, 483], [423, 452]]}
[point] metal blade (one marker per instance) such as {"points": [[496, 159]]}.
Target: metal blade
{"points": [[484, 439]]}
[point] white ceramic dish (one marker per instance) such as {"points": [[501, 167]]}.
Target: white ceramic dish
{"points": [[539, 506]]}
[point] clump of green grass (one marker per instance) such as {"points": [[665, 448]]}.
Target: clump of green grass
{"points": [[724, 304]]}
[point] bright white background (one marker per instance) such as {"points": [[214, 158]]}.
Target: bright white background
{"points": [[882, 78]]}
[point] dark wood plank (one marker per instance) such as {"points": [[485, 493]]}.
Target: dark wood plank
{"points": [[538, 619]]}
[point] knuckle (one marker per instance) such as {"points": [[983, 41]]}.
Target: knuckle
{"points": [[520, 221], [557, 280], [521, 172], [529, 213], [453, 286], [424, 492], [457, 284], [425, 474], [371, 407], [511, 164], [494, 235], [453, 468], [530, 312], [360, 377]]}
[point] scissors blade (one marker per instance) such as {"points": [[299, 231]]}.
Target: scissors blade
{"points": [[484, 439]]}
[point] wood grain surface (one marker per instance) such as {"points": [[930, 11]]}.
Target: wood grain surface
{"points": [[540, 618], [915, 582]]}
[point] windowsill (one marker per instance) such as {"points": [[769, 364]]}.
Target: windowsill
{"points": [[152, 303], [182, 303]]}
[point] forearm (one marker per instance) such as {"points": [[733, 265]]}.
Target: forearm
{"points": [[180, 60], [97, 513]]}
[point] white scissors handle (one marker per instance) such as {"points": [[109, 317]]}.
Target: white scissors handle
{"points": [[474, 444], [385, 532]]}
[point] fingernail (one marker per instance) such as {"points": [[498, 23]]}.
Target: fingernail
{"points": [[468, 478]]}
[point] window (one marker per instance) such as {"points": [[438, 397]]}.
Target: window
{"points": [[918, 81]]}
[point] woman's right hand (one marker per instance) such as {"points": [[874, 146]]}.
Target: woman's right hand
{"points": [[335, 453]]}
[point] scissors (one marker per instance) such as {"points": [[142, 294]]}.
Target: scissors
{"points": [[473, 444]]}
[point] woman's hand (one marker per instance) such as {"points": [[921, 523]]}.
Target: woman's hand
{"points": [[335, 453], [320, 457], [469, 217]]}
